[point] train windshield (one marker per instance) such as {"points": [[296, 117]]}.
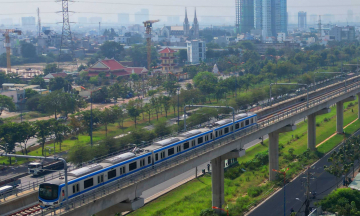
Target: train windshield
{"points": [[48, 191], [30, 166]]}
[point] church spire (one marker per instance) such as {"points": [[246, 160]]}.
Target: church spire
{"points": [[195, 18], [186, 21], [186, 24]]}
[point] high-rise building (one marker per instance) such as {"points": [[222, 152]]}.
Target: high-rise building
{"points": [[350, 16], [141, 16], [258, 14], [123, 18], [302, 22], [274, 17], [28, 21], [82, 20], [246, 15]]}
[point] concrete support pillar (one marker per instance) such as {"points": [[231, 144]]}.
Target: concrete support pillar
{"points": [[312, 128], [217, 177], [312, 132], [273, 154], [274, 149], [340, 117]]}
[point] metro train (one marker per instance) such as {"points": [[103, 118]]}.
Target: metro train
{"points": [[86, 179]]}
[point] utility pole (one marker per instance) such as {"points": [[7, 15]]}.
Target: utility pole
{"points": [[39, 22], [307, 201]]}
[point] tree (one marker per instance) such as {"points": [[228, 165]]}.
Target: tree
{"points": [[43, 131], [79, 153], [51, 68], [38, 81], [119, 115], [9, 133], [161, 129], [133, 111], [6, 103], [166, 102], [344, 201], [28, 50], [59, 130], [52, 102], [81, 68], [26, 132], [107, 117], [29, 93], [155, 103], [76, 125], [111, 49], [182, 56], [59, 83], [88, 118], [148, 109]]}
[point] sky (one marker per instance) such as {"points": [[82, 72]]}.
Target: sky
{"points": [[208, 11]]}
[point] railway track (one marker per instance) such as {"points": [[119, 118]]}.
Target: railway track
{"points": [[27, 211], [269, 116]]}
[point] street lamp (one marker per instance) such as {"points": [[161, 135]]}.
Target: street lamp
{"points": [[283, 173]]}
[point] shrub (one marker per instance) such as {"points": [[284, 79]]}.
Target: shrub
{"points": [[326, 119], [297, 136], [254, 191], [317, 124]]}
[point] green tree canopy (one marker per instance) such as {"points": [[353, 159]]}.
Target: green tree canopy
{"points": [[6, 103]]}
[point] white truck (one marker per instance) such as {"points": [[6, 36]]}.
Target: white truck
{"points": [[37, 168]]}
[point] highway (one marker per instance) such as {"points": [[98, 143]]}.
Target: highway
{"points": [[323, 184]]}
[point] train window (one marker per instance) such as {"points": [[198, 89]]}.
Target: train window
{"points": [[132, 166], [186, 145], [178, 148], [112, 174], [206, 138], [220, 133], [122, 170], [171, 151], [142, 162], [156, 157], [211, 136], [242, 124], [251, 121], [88, 183], [247, 122], [216, 134], [226, 130], [237, 126], [200, 140], [193, 143], [162, 155], [75, 188], [149, 160], [100, 179]]}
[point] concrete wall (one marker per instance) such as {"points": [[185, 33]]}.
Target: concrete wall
{"points": [[12, 205]]}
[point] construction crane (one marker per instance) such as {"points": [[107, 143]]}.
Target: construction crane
{"points": [[6, 33], [148, 26]]}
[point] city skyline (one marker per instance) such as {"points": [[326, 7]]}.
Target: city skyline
{"points": [[208, 11]]}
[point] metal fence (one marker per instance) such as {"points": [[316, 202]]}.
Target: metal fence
{"points": [[149, 172]]}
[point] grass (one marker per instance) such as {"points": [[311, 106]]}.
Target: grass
{"points": [[194, 196]]}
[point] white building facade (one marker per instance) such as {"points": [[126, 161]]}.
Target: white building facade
{"points": [[196, 51]]}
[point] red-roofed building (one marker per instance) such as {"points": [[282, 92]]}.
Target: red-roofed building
{"points": [[167, 59], [111, 66]]}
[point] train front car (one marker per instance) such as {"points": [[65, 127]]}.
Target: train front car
{"points": [[49, 193]]}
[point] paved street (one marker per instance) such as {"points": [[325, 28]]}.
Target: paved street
{"points": [[323, 184]]}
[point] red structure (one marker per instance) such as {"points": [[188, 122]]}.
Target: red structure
{"points": [[111, 66], [167, 60]]}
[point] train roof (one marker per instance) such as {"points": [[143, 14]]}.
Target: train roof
{"points": [[85, 170], [119, 158], [223, 122], [167, 141]]}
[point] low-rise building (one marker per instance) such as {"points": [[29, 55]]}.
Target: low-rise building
{"points": [[167, 60]]}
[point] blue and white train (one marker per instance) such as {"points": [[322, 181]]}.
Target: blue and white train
{"points": [[88, 178]]}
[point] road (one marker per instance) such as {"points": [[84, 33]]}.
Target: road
{"points": [[323, 184]]}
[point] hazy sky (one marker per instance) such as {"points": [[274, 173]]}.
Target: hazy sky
{"points": [[221, 10]]}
